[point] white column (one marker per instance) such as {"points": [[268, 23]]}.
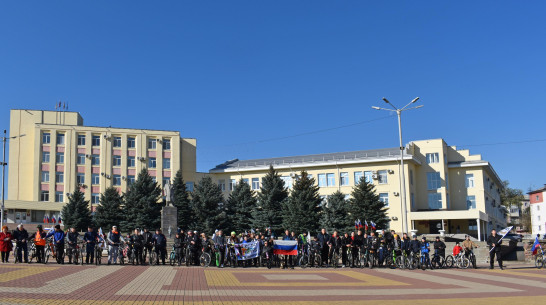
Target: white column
{"points": [[478, 222]]}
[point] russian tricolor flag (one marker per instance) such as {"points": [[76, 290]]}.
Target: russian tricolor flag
{"points": [[536, 246], [285, 247]]}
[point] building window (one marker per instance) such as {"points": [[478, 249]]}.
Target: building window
{"points": [[58, 196], [469, 180], [384, 197], [95, 179], [152, 143], [81, 140], [433, 158], [95, 198], [344, 179], [382, 177], [166, 144], [166, 163], [433, 181], [59, 157], [80, 159], [116, 161], [131, 142], [287, 181], [130, 161], [80, 178], [44, 196], [368, 175], [322, 180], [472, 225], [60, 139], [152, 163], [130, 179], [232, 184], [117, 141], [411, 176], [434, 201], [117, 180], [45, 156], [59, 177], [95, 160], [222, 184], [45, 176], [255, 183], [358, 176], [46, 139], [537, 198], [331, 179], [470, 202], [189, 186], [95, 141]]}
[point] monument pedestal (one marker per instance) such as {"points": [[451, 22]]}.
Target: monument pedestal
{"points": [[169, 218]]}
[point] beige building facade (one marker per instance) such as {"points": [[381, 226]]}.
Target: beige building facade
{"points": [[447, 189], [55, 153]]}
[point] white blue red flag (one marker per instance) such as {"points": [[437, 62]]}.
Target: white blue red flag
{"points": [[373, 225], [285, 247], [536, 246], [366, 225], [53, 219]]}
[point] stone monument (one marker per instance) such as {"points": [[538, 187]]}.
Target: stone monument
{"points": [[169, 213]]}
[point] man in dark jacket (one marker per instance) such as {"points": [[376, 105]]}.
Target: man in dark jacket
{"points": [[334, 244], [90, 237], [494, 241], [58, 241], [220, 246], [72, 238], [405, 244], [137, 242], [192, 241], [323, 239], [148, 243], [20, 235], [346, 243], [440, 247], [160, 243], [415, 246], [357, 241]]}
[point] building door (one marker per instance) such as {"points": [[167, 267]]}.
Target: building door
{"points": [[435, 226]]}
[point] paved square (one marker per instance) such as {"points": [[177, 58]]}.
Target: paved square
{"points": [[68, 284]]}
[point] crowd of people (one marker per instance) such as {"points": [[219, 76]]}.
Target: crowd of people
{"points": [[188, 246]]}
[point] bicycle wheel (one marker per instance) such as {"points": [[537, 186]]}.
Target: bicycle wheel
{"points": [[449, 261], [172, 257], [75, 257], [371, 261], [318, 261], [82, 253], [539, 261], [98, 256], [473, 261], [153, 258], [437, 262], [363, 260], [46, 256], [400, 262], [465, 262], [204, 259], [304, 261]]}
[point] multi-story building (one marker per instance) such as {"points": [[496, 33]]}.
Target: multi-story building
{"points": [[538, 210], [517, 213], [447, 189], [57, 153]]}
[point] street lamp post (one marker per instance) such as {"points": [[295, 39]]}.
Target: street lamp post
{"points": [[402, 175], [4, 140]]}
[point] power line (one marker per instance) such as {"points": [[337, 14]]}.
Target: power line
{"points": [[503, 143]]}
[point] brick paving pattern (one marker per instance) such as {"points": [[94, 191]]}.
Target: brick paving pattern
{"points": [[69, 284]]}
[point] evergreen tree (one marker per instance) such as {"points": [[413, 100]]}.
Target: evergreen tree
{"points": [[365, 205], [301, 212], [181, 200], [208, 204], [142, 209], [242, 201], [335, 214], [109, 211], [76, 213], [272, 193]]}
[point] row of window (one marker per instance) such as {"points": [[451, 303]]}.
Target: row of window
{"points": [[95, 160], [116, 141]]}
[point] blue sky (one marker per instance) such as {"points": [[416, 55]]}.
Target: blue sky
{"points": [[239, 75]]}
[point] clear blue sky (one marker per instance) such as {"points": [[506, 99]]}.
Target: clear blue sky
{"points": [[235, 73]]}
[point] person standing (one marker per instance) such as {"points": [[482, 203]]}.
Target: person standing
{"points": [[440, 247], [160, 243], [5, 244], [114, 239], [137, 241], [148, 243], [20, 235], [72, 238], [494, 241], [58, 241], [323, 239], [288, 258], [220, 245], [40, 242], [346, 243], [90, 237]]}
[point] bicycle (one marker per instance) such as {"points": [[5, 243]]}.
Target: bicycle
{"points": [[303, 261], [539, 259], [472, 258], [459, 260], [373, 260], [122, 253], [334, 256], [173, 258], [154, 258], [74, 253], [437, 261], [15, 252], [424, 261], [49, 250], [98, 253], [390, 259], [81, 251], [204, 258], [32, 252]]}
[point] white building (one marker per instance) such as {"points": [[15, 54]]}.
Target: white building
{"points": [[538, 211]]}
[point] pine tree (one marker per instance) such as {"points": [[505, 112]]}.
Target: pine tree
{"points": [[76, 213], [365, 205], [272, 193], [142, 209], [109, 212], [242, 201], [335, 214], [181, 200], [207, 201], [301, 212]]}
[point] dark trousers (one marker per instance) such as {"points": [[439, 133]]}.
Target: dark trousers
{"points": [[40, 254], [492, 258], [355, 255], [90, 253], [222, 257], [70, 251], [161, 252], [22, 248], [344, 256], [324, 254], [138, 255], [5, 256], [288, 260], [59, 253]]}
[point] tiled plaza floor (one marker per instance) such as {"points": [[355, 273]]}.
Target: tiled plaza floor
{"points": [[68, 284]]}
